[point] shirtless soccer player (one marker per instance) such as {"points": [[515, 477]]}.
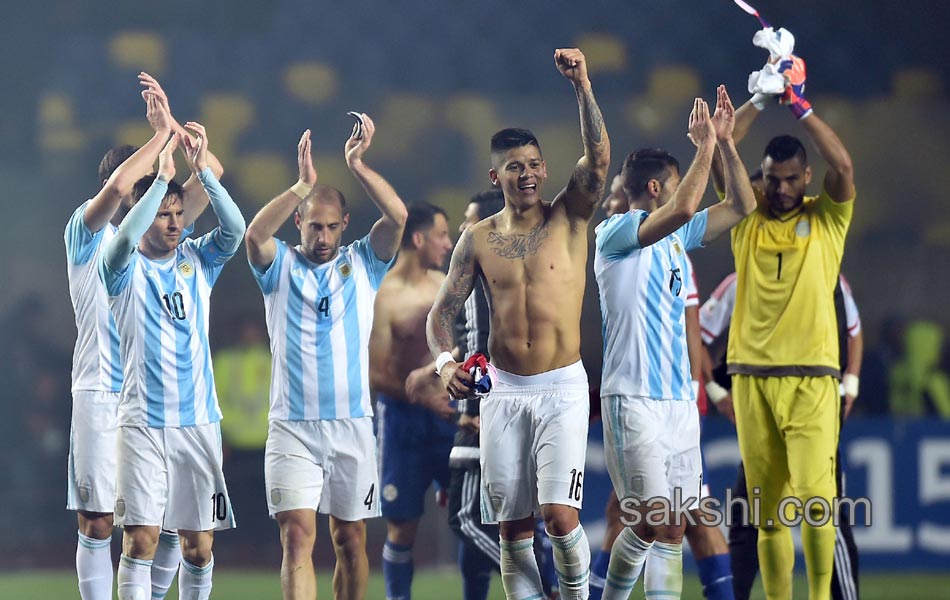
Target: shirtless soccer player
{"points": [[415, 432], [532, 259]]}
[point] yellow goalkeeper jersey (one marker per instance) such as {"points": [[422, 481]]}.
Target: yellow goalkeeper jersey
{"points": [[784, 321]]}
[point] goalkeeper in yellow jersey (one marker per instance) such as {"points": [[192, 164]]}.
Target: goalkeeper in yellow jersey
{"points": [[783, 346]]}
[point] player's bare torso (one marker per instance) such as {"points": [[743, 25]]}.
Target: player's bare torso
{"points": [[403, 306], [534, 275]]}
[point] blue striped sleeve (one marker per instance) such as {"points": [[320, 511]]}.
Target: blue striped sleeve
{"points": [[116, 280], [375, 267], [80, 242], [693, 231], [617, 236], [219, 245], [268, 279]]}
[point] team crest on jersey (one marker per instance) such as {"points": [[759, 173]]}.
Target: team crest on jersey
{"points": [[677, 248], [345, 269], [802, 228], [186, 268]]}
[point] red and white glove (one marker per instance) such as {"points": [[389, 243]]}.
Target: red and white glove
{"points": [[794, 96]]}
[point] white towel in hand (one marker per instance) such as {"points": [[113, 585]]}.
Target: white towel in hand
{"points": [[780, 44]]}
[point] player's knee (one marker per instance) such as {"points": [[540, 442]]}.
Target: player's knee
{"points": [[349, 539], [516, 530], [140, 542], [196, 547], [559, 520], [95, 525], [670, 534], [402, 532], [297, 535]]}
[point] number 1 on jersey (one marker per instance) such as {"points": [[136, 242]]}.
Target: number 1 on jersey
{"points": [[779, 275]]}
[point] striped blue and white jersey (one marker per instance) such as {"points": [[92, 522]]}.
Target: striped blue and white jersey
{"points": [[643, 294], [97, 365], [319, 318], [161, 309]]}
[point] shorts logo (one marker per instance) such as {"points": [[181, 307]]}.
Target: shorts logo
{"points": [[802, 228], [497, 502], [120, 507], [345, 269], [186, 268], [84, 493], [390, 492], [275, 497]]}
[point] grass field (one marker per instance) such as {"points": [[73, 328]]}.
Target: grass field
{"points": [[438, 585]]}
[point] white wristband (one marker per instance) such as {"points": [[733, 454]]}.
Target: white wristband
{"points": [[715, 392], [849, 383], [301, 189], [441, 360], [695, 389]]}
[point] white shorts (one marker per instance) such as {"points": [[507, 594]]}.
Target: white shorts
{"points": [[323, 465], [171, 477], [652, 447], [91, 463], [533, 440]]}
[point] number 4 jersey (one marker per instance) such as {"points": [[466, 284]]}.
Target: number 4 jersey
{"points": [[319, 317], [161, 313], [643, 293]]}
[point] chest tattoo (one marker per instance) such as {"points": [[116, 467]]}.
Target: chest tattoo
{"points": [[518, 245]]}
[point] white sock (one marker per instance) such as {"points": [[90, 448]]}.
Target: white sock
{"points": [[572, 563], [135, 578], [165, 563], [519, 570], [663, 579], [627, 556], [94, 567], [194, 583]]}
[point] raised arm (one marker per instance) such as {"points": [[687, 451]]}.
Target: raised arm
{"points": [[259, 239], [745, 116], [118, 250], [230, 231], [195, 198], [584, 191], [839, 180], [455, 290], [103, 206], [682, 206], [739, 201], [386, 233]]}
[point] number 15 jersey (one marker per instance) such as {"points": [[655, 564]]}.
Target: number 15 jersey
{"points": [[319, 318]]}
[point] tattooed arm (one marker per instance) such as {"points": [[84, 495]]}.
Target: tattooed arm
{"points": [[586, 187], [440, 323]]}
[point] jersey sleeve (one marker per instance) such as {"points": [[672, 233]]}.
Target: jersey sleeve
{"points": [[376, 268], [835, 217], [692, 286], [618, 236], [116, 280], [693, 231], [851, 315], [80, 242], [716, 313], [269, 278], [210, 253]]}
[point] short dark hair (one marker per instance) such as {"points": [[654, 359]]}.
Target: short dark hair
{"points": [[488, 203], [643, 165], [420, 218], [506, 139], [113, 158], [141, 186], [323, 192], [786, 147]]}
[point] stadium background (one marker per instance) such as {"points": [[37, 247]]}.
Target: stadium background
{"points": [[439, 78]]}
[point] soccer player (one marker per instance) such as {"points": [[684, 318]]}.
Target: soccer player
{"points": [[715, 315], [318, 296], [97, 367], [169, 441], [785, 377], [532, 259], [415, 432], [647, 401]]}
